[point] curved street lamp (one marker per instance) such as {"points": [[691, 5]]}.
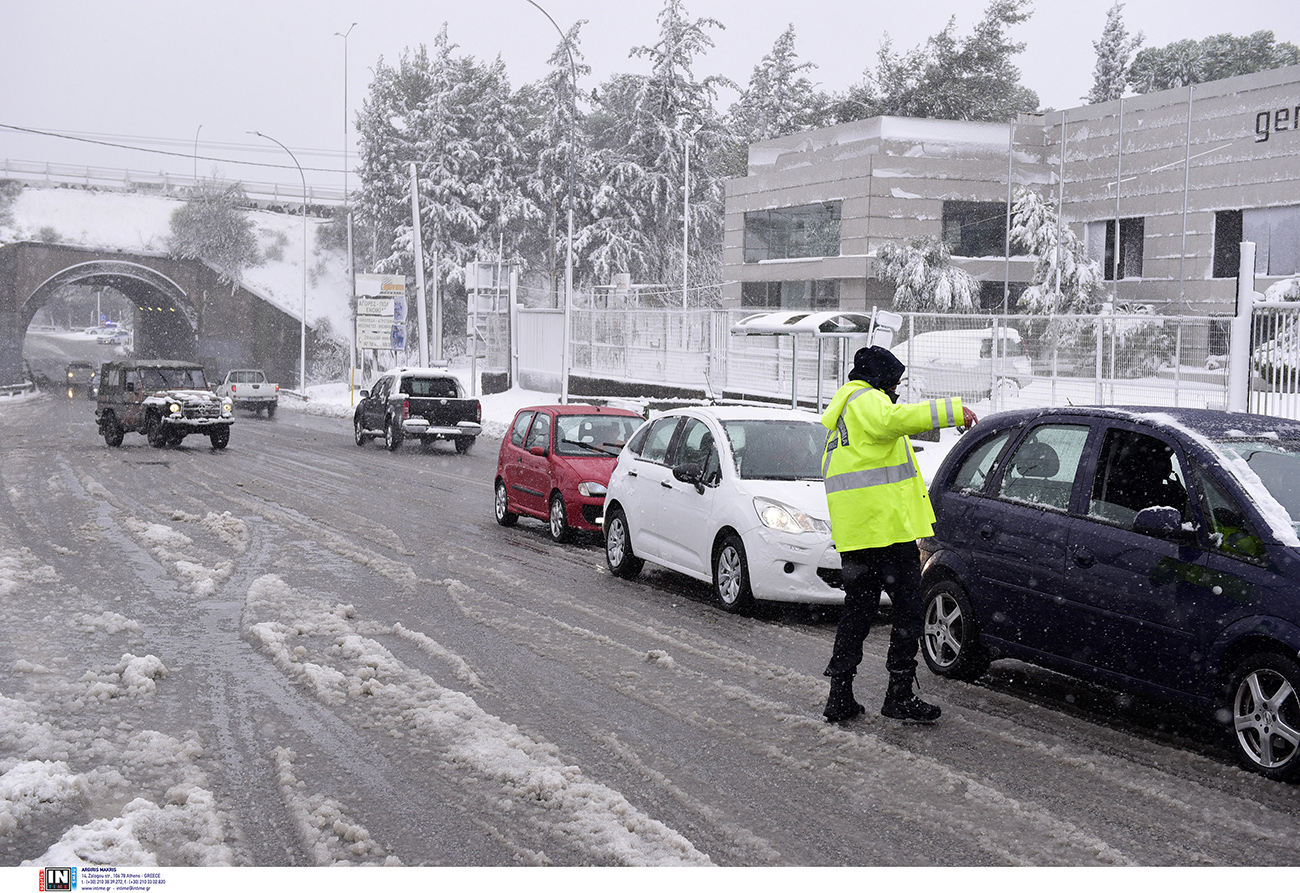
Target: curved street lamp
{"points": [[302, 339], [568, 266]]}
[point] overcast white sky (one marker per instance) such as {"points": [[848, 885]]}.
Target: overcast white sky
{"points": [[158, 75]]}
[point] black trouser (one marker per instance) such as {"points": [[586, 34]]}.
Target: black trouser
{"points": [[895, 569]]}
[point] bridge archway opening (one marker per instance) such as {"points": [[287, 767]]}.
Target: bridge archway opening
{"points": [[154, 309]]}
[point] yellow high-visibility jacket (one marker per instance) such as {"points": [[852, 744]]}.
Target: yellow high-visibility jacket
{"points": [[873, 485]]}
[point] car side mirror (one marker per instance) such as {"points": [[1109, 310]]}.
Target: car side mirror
{"points": [[690, 473], [130, 387], [365, 394], [1162, 521], [537, 450]]}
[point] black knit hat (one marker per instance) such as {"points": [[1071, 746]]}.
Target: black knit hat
{"points": [[877, 367]]}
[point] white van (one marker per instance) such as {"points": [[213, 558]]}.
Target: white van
{"points": [[962, 363]]}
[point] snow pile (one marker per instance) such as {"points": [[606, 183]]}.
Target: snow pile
{"points": [[335, 655], [175, 549]]}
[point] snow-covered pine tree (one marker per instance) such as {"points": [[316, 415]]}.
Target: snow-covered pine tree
{"points": [[779, 98], [1110, 75], [924, 278], [213, 226], [561, 155], [1065, 279], [642, 125], [966, 79]]}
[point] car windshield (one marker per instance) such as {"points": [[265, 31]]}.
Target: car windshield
{"points": [[1277, 465], [161, 379], [777, 449], [593, 435]]}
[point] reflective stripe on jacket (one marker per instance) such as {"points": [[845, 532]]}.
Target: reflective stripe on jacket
{"points": [[873, 486]]}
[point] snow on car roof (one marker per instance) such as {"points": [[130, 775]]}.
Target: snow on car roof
{"points": [[730, 412]]}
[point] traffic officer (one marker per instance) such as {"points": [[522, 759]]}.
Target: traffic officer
{"points": [[879, 507]]}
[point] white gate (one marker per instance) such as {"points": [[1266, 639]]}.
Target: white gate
{"points": [[1275, 359]]}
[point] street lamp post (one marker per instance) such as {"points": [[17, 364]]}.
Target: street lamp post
{"points": [[352, 278], [568, 265], [344, 35], [686, 208], [302, 339]]}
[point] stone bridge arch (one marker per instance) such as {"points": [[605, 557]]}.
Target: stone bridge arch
{"points": [[181, 308]]}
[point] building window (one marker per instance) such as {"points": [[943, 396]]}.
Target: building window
{"points": [[784, 233], [991, 295], [1099, 240], [975, 229], [817, 294], [1227, 244], [1275, 232]]}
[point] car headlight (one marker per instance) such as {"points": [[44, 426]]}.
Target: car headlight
{"points": [[786, 518], [174, 408], [225, 407], [591, 488]]}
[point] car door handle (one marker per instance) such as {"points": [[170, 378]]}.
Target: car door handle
{"points": [[1084, 558], [986, 531], [665, 485]]}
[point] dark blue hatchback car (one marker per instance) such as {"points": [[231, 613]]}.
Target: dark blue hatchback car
{"points": [[1151, 549]]}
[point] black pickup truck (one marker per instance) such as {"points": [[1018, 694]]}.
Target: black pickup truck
{"points": [[412, 402]]}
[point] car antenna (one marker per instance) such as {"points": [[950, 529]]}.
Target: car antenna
{"points": [[708, 389]]}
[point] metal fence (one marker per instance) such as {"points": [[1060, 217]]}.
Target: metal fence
{"points": [[993, 361]]}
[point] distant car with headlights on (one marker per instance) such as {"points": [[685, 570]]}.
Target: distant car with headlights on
{"points": [[732, 496], [80, 376], [555, 461]]}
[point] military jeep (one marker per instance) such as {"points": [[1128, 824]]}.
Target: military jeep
{"points": [[165, 400]]}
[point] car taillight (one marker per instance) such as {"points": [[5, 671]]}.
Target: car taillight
{"points": [[480, 414], [277, 389], [406, 408]]}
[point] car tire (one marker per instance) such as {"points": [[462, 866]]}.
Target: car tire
{"points": [[359, 431], [155, 432], [220, 437], [463, 444], [558, 522], [1263, 700], [618, 547], [112, 430], [270, 410], [392, 435], [501, 506], [731, 576], [950, 641]]}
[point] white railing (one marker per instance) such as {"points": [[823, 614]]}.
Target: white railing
{"points": [[33, 172]]}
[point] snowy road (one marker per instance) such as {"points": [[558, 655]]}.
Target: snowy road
{"points": [[302, 652]]}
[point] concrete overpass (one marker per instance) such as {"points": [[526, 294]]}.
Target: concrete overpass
{"points": [[182, 310]]}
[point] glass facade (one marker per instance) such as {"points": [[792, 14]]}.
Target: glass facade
{"points": [[801, 231], [975, 229]]}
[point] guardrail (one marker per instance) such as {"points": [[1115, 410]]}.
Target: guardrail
{"points": [[39, 172]]}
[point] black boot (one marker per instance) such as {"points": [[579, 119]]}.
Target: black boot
{"points": [[901, 703], [840, 705]]}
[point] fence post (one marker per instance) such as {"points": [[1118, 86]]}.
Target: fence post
{"points": [[1239, 355]]}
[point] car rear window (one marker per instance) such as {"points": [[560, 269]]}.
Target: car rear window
{"points": [[429, 387]]}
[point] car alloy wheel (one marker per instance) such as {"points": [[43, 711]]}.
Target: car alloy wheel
{"points": [[359, 431], [559, 523], [731, 576], [618, 547], [949, 639], [501, 507], [1266, 715], [392, 435]]}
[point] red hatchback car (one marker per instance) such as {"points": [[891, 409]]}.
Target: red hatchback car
{"points": [[555, 462]]}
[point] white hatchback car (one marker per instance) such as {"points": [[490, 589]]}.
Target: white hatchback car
{"points": [[731, 495]]}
